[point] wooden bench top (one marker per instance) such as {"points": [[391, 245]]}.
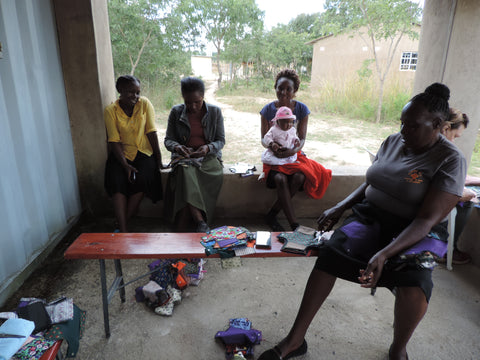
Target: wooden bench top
{"points": [[151, 246]]}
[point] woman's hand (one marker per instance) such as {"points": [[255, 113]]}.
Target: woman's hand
{"points": [[200, 152], [369, 277], [329, 218], [468, 195], [131, 172], [183, 150]]}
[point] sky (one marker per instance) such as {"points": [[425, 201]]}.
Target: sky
{"points": [[282, 11]]}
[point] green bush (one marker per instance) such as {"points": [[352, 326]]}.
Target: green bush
{"points": [[358, 98], [163, 96]]}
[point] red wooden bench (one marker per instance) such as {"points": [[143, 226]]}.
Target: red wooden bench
{"points": [[118, 246], [52, 353]]}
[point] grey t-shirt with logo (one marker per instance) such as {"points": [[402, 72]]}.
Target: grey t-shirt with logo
{"points": [[399, 180]]}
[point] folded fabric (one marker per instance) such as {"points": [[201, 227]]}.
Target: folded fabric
{"points": [[162, 272], [150, 290], [71, 331], [34, 349], [301, 240], [239, 336], [224, 240], [60, 310], [165, 310], [9, 346], [8, 315], [36, 312]]}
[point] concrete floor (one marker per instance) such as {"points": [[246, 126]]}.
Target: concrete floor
{"points": [[352, 324]]}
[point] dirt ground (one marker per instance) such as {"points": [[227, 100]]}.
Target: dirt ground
{"points": [[348, 152], [242, 134]]}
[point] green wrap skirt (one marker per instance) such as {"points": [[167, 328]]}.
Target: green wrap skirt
{"points": [[195, 183]]}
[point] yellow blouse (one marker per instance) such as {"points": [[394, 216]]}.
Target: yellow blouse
{"points": [[131, 131]]}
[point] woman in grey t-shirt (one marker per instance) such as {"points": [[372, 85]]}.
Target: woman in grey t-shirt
{"points": [[396, 227]]}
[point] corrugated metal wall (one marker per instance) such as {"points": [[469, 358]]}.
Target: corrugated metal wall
{"points": [[39, 198]]}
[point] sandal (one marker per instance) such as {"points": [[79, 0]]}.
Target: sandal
{"points": [[275, 353]]}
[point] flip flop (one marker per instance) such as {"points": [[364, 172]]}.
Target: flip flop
{"points": [[274, 353]]}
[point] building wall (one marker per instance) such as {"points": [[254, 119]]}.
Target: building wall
{"points": [[86, 54], [336, 59]]}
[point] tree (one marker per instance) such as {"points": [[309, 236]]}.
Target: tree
{"points": [[223, 22], [307, 23], [375, 20], [140, 43], [284, 49]]}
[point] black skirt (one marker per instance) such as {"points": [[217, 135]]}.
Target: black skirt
{"points": [[341, 258], [147, 180]]}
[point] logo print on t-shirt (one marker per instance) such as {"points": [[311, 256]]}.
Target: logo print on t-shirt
{"points": [[414, 177]]}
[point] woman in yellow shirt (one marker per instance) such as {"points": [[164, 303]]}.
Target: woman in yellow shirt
{"points": [[134, 160]]}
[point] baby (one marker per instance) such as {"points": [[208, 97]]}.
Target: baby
{"points": [[281, 135]]}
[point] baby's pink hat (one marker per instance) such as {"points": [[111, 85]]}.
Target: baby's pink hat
{"points": [[284, 113]]}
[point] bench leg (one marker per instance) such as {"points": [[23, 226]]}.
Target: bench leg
{"points": [[103, 280], [118, 271]]}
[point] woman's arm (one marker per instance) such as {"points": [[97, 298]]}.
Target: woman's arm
{"points": [[219, 140], [171, 142], [264, 127], [436, 205], [153, 139], [472, 180], [331, 216], [117, 149]]}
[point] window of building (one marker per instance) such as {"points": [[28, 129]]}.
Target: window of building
{"points": [[408, 61]]}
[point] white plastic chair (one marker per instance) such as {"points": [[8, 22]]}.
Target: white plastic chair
{"points": [[451, 236]]}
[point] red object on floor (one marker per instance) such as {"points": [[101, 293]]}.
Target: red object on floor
{"points": [[51, 353]]}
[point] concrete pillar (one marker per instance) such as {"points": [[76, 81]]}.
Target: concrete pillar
{"points": [[449, 49], [86, 55]]}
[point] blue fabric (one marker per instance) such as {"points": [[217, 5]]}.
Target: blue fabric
{"points": [[9, 346]]}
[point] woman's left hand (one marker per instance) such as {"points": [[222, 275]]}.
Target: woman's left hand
{"points": [[200, 152], [369, 277]]}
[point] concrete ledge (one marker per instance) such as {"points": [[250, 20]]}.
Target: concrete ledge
{"points": [[246, 197]]}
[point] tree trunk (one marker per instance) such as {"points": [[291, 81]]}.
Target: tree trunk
{"points": [[380, 100], [219, 72]]}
